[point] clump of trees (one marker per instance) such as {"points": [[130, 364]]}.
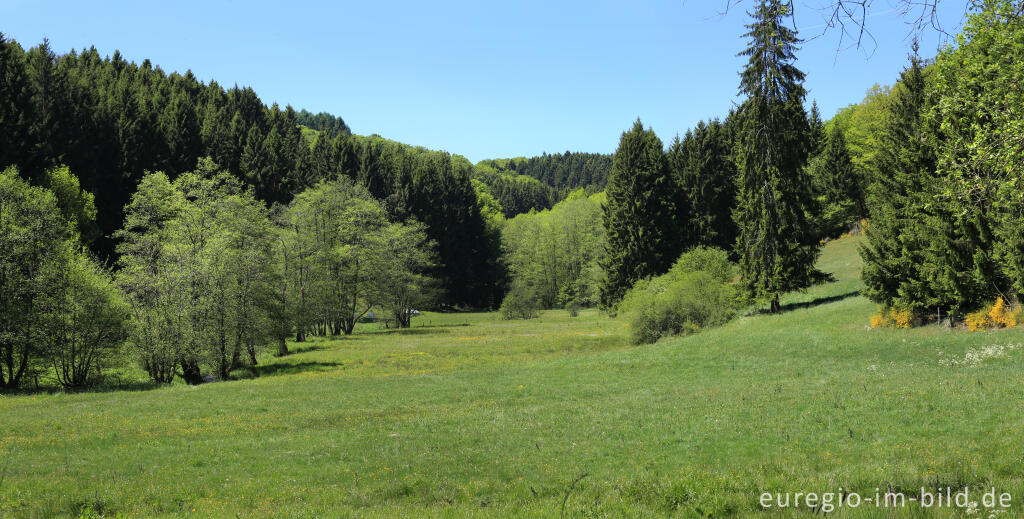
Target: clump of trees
{"points": [[213, 280], [111, 120], [60, 311], [945, 205], [554, 256]]}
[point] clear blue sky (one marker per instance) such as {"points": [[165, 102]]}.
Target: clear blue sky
{"points": [[480, 78]]}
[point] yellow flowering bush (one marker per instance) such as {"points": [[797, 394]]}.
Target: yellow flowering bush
{"points": [[893, 318], [978, 321], [901, 318], [1002, 315], [878, 320]]}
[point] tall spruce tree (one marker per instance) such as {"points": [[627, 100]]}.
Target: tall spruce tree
{"points": [[778, 245], [642, 217]]}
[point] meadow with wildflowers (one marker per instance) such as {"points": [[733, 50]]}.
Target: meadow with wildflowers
{"points": [[468, 415]]}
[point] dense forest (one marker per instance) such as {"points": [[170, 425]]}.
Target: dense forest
{"points": [[198, 225], [110, 121]]}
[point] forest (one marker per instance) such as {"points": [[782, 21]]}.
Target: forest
{"points": [[370, 302]]}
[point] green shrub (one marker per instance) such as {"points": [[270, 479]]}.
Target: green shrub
{"points": [[684, 300], [520, 303]]}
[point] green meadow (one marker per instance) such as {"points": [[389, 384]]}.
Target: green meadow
{"points": [[466, 415]]}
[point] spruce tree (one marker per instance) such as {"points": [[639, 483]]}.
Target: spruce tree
{"points": [[920, 255], [777, 245], [836, 180], [642, 217], [702, 165]]}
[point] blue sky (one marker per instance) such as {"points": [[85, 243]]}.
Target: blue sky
{"points": [[483, 79]]}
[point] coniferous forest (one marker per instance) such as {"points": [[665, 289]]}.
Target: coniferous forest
{"points": [[770, 301]]}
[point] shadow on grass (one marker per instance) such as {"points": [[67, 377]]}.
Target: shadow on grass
{"points": [[284, 368], [820, 301], [106, 387], [789, 307]]}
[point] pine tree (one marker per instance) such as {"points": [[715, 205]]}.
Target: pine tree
{"points": [[642, 217], [777, 246]]}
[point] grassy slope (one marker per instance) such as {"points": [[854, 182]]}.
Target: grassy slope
{"points": [[471, 417]]}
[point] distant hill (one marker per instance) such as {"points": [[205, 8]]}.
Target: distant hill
{"points": [[565, 172]]}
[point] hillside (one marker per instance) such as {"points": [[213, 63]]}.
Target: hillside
{"points": [[467, 415]]}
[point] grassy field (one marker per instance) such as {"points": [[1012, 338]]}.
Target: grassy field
{"points": [[469, 416]]}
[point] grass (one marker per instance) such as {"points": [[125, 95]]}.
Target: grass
{"points": [[470, 416]]}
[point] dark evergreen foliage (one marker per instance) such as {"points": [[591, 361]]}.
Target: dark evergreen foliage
{"points": [[778, 244], [643, 215], [703, 166], [565, 172]]}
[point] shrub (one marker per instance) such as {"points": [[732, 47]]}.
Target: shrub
{"points": [[997, 315], [878, 320], [978, 321], [901, 318], [573, 308], [520, 303], [677, 304]]}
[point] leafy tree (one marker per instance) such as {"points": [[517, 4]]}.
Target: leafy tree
{"points": [[556, 254], [36, 243], [76, 205], [407, 257], [777, 245], [86, 318], [197, 266], [642, 215]]}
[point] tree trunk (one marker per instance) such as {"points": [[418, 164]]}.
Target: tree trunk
{"points": [[282, 347], [775, 306]]}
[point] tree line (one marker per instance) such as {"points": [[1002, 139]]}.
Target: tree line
{"points": [[110, 121], [208, 277]]}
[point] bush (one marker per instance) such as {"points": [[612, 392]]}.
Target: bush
{"points": [[520, 303], [894, 318], [678, 303], [573, 308], [997, 315]]}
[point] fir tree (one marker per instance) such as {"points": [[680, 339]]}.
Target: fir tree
{"points": [[777, 246], [642, 218]]}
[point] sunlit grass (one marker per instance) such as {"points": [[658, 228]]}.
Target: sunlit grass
{"points": [[467, 415]]}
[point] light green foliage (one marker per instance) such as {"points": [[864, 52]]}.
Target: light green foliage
{"points": [[86, 323], [76, 204], [197, 266], [61, 316], [980, 117], [36, 244], [555, 254], [696, 293], [343, 258], [490, 209], [862, 123], [521, 302]]}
